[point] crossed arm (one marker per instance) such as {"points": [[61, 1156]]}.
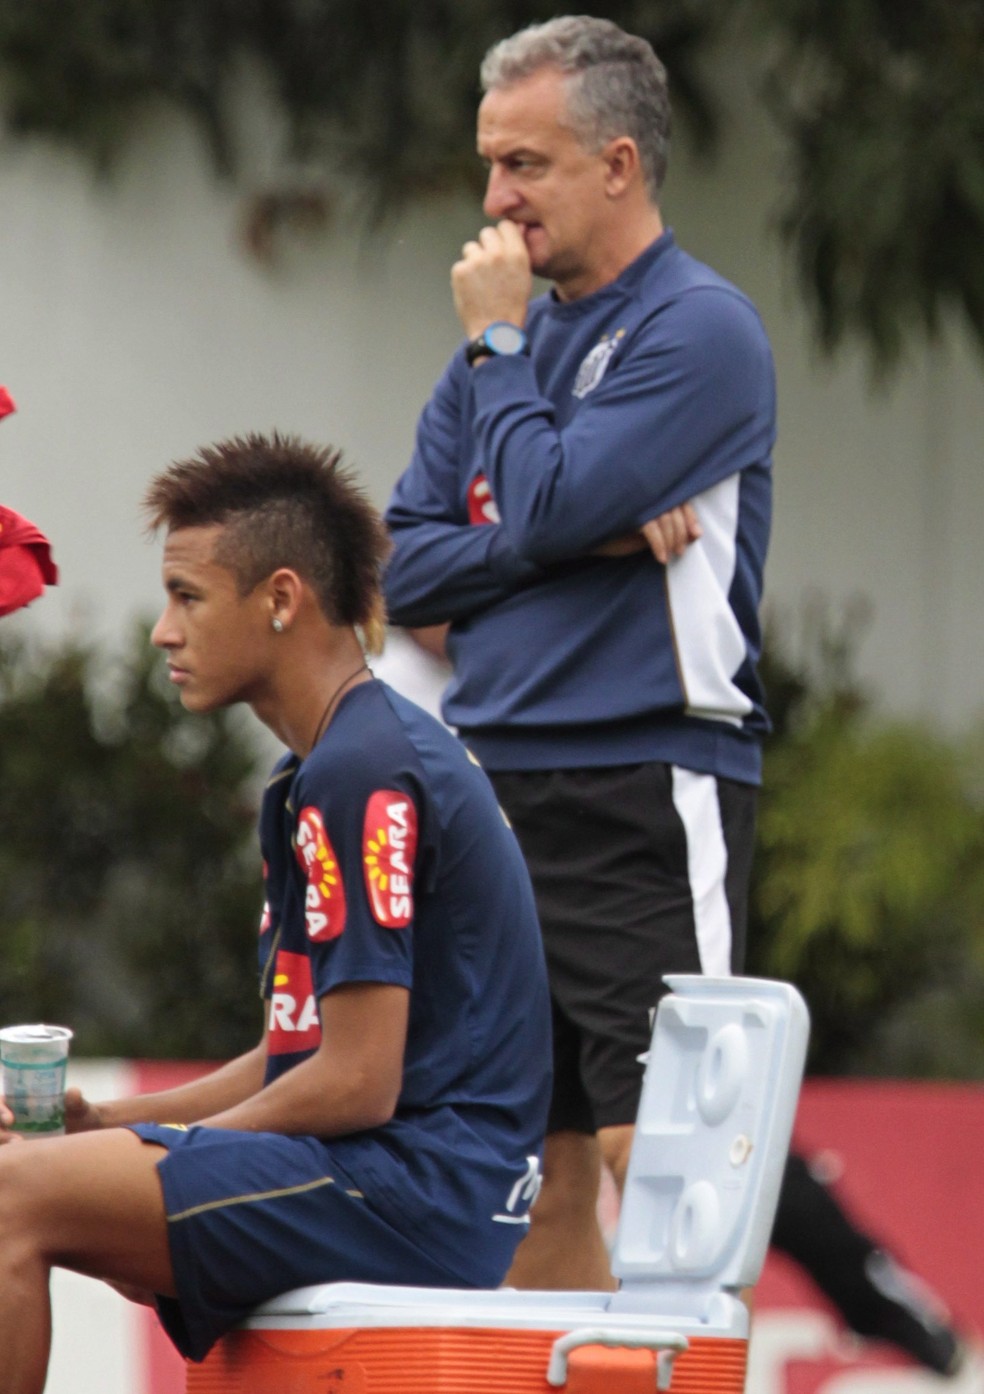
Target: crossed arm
{"points": [[612, 481]]}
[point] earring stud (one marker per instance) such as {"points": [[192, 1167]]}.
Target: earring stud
{"points": [[278, 624]]}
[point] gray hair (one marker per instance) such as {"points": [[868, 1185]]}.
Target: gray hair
{"points": [[616, 85]]}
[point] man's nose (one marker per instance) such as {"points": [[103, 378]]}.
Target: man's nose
{"points": [[162, 635], [501, 198]]}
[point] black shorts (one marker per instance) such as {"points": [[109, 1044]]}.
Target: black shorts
{"points": [[639, 871]]}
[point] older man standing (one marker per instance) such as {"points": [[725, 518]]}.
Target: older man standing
{"points": [[607, 685]]}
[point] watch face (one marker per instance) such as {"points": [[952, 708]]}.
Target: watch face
{"points": [[503, 337]]}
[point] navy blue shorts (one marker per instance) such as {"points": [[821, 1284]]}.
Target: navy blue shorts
{"points": [[252, 1215]]}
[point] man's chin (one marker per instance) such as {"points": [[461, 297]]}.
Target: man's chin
{"points": [[198, 703], [545, 264]]}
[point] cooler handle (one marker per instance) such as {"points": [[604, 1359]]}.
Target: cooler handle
{"points": [[667, 1344]]}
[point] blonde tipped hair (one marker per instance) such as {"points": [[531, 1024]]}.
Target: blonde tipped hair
{"points": [[282, 501]]}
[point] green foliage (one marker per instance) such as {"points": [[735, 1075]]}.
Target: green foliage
{"points": [[882, 104], [870, 839], [382, 95], [78, 69], [129, 879]]}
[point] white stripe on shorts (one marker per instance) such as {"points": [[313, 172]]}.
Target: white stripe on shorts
{"points": [[695, 798]]}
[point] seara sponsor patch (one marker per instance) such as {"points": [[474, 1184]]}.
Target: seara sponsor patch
{"points": [[389, 845], [324, 899], [294, 1023]]}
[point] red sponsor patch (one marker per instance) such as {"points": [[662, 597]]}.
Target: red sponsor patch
{"points": [[481, 504], [294, 1023], [389, 845], [324, 900]]}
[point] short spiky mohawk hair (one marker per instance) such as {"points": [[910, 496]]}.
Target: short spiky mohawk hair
{"points": [[282, 502]]}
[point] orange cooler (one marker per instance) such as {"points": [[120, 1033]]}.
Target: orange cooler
{"points": [[419, 1360], [713, 1129]]}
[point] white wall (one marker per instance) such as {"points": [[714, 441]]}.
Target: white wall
{"points": [[133, 329]]}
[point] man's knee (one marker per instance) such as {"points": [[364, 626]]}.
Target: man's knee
{"points": [[92, 1201]]}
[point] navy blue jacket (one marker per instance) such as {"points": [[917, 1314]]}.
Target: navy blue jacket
{"points": [[656, 390]]}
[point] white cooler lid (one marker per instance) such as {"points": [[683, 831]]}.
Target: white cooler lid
{"points": [[718, 1103]]}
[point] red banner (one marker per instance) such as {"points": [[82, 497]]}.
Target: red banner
{"points": [[904, 1161]]}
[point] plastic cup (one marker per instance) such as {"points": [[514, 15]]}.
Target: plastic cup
{"points": [[34, 1060]]}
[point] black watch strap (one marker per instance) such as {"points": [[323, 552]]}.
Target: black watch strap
{"points": [[477, 349]]}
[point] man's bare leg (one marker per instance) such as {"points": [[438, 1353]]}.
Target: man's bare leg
{"points": [[91, 1203], [564, 1248]]}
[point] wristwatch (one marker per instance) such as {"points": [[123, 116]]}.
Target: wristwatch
{"points": [[500, 338]]}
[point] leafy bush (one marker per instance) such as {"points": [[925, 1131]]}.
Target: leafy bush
{"points": [[129, 876], [870, 845]]}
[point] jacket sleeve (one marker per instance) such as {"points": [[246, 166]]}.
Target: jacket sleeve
{"points": [[443, 567], [686, 402]]}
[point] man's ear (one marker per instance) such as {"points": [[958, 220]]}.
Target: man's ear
{"points": [[283, 591], [622, 165]]}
